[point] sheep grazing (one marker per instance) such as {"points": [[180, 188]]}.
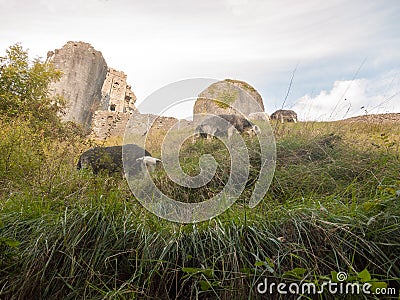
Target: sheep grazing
{"points": [[148, 161], [284, 116], [242, 124], [110, 159], [225, 125]]}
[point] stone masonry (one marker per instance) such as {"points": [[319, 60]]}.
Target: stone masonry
{"points": [[99, 97], [116, 93], [84, 70], [111, 123]]}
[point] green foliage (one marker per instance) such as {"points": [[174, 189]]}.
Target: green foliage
{"points": [[24, 89], [297, 273]]}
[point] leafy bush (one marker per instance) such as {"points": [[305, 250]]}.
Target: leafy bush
{"points": [[24, 89]]}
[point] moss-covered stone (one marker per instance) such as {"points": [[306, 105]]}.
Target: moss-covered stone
{"points": [[228, 97]]}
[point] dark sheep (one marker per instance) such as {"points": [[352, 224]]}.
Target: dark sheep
{"points": [[110, 159]]}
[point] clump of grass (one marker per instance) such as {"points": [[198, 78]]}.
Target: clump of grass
{"points": [[110, 250]]}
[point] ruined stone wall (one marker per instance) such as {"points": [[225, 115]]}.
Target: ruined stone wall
{"points": [[112, 123], [84, 70], [99, 97], [109, 123], [130, 99], [117, 95]]}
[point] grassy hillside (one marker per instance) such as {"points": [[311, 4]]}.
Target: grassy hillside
{"points": [[333, 206]]}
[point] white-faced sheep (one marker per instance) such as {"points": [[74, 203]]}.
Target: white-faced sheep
{"points": [[148, 161]]}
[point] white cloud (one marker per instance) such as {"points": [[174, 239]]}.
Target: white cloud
{"points": [[349, 98], [236, 6]]}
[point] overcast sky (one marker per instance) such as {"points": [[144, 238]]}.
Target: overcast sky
{"points": [[344, 56]]}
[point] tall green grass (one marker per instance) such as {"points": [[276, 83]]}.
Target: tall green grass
{"points": [[332, 206]]}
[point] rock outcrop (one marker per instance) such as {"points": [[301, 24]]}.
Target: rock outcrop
{"points": [[108, 123], [228, 97], [84, 71]]}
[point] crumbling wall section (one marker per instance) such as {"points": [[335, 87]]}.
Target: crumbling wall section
{"points": [[117, 95], [99, 97], [84, 70], [111, 123]]}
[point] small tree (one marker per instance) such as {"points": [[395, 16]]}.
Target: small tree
{"points": [[25, 88]]}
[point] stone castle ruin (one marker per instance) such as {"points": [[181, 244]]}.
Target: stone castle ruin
{"points": [[100, 99], [115, 108], [98, 96]]}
